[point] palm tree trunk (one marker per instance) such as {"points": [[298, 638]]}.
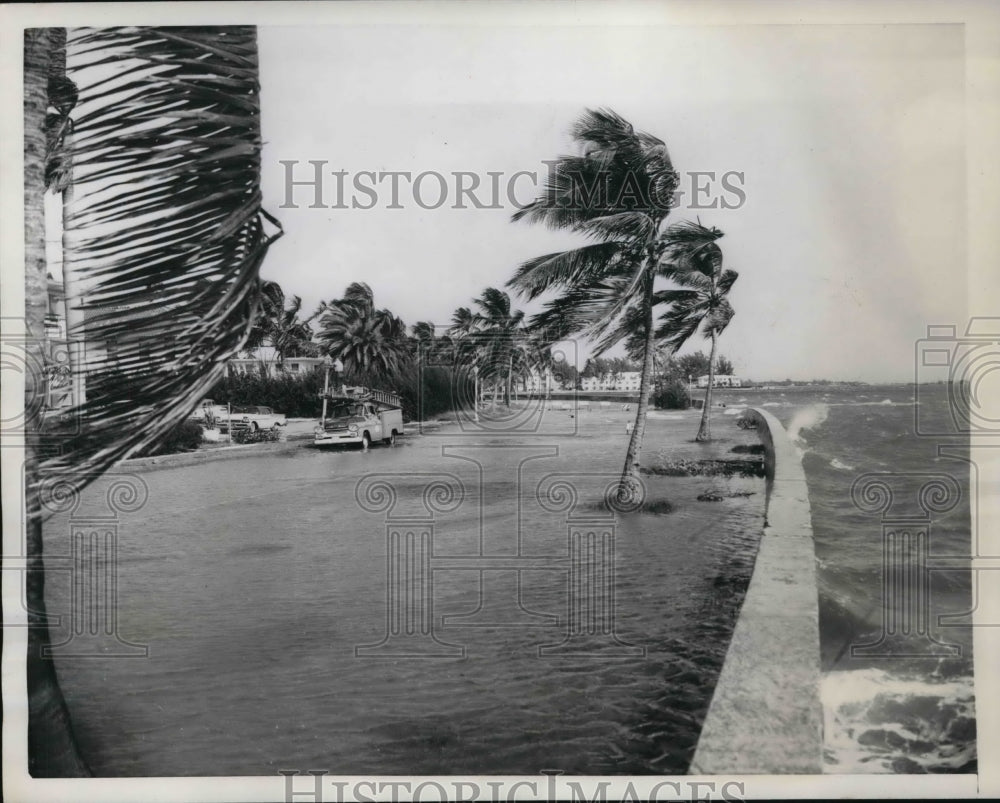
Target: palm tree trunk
{"points": [[52, 749], [628, 486], [510, 371], [705, 428], [475, 375], [73, 291]]}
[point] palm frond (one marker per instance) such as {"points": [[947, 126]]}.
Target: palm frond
{"points": [[371, 343], [727, 280], [676, 326], [718, 318], [618, 171], [166, 233], [590, 310], [566, 268], [634, 226]]}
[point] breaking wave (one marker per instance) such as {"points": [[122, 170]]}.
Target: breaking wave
{"points": [[880, 722]]}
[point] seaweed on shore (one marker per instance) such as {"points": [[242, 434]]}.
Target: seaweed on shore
{"points": [[707, 468], [654, 507], [748, 448]]}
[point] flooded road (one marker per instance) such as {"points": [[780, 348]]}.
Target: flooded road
{"points": [[457, 603]]}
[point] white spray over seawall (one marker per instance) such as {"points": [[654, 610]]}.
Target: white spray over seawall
{"points": [[806, 418]]}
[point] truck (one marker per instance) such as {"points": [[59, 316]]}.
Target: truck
{"points": [[359, 416]]}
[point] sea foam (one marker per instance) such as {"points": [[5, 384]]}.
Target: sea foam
{"points": [[876, 721], [807, 418]]}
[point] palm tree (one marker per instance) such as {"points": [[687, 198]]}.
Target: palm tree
{"points": [[370, 342], [618, 190], [278, 323], [425, 345], [466, 348], [700, 300], [502, 334], [164, 237], [51, 746]]}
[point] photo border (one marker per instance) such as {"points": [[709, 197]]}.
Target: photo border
{"points": [[982, 43]]}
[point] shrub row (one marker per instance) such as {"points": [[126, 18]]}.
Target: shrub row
{"points": [[672, 395], [260, 436], [185, 437], [295, 395], [428, 392]]}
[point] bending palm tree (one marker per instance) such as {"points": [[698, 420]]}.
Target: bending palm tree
{"points": [[164, 237], [278, 323], [369, 342], [618, 190], [701, 300]]}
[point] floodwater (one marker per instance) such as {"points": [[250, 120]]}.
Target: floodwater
{"points": [[532, 630]]}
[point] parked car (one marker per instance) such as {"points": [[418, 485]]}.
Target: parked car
{"points": [[255, 418], [208, 413]]}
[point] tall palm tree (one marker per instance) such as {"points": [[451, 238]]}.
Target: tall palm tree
{"points": [[51, 746], [700, 299], [466, 348], [370, 342], [618, 190], [164, 237], [502, 335]]}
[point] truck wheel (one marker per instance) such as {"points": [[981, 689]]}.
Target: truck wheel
{"points": [[253, 426], [366, 441], [391, 440]]}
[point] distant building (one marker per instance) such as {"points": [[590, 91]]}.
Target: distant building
{"points": [[720, 381], [628, 380], [536, 381], [266, 358], [625, 380]]}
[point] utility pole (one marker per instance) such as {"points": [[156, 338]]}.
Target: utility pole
{"points": [[326, 392]]}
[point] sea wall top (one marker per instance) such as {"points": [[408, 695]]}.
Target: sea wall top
{"points": [[765, 716]]}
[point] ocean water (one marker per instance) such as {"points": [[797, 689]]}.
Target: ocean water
{"points": [[893, 702]]}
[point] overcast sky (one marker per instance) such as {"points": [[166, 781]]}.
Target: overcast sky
{"points": [[850, 140]]}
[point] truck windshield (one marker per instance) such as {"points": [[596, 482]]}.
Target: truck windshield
{"points": [[344, 410]]}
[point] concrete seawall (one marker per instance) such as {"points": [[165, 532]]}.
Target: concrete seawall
{"points": [[765, 716]]}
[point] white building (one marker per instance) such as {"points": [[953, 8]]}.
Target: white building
{"points": [[537, 381], [251, 362], [626, 380], [720, 381]]}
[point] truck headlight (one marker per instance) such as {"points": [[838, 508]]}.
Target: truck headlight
{"points": [[353, 429]]}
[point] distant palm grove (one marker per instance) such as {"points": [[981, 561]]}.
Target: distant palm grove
{"points": [[635, 282], [433, 368]]}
